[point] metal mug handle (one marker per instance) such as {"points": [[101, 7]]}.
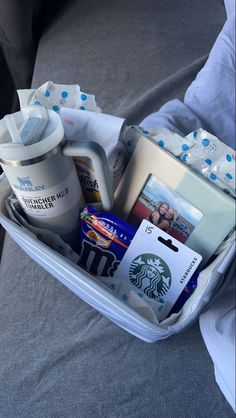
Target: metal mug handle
{"points": [[96, 153]]}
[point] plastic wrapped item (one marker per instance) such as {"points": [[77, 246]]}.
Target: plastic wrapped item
{"points": [[103, 241]]}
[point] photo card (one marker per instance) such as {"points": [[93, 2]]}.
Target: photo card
{"points": [[203, 213], [166, 209]]}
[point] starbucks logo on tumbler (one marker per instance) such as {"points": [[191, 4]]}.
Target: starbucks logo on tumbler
{"points": [[151, 274]]}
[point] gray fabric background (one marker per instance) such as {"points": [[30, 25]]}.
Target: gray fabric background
{"points": [[58, 357], [19, 32], [133, 55]]}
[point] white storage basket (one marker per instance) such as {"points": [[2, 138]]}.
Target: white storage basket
{"points": [[99, 297]]}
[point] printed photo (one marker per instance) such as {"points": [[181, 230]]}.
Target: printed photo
{"points": [[166, 209]]}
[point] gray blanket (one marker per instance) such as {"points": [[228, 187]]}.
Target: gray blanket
{"points": [[59, 357]]}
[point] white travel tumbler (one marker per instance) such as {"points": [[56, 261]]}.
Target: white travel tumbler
{"points": [[42, 174]]}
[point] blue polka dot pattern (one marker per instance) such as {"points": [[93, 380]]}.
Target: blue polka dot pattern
{"points": [[125, 297], [161, 143], [229, 176], [213, 176], [205, 142], [82, 108], [37, 103], [141, 295], [64, 94], [83, 96], [184, 157], [146, 132], [228, 158], [55, 107], [185, 147], [194, 134], [47, 93], [208, 161]]}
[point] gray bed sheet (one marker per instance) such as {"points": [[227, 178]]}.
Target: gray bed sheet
{"points": [[58, 356]]}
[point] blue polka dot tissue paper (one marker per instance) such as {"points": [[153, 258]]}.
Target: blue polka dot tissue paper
{"points": [[213, 159], [202, 151], [54, 96]]}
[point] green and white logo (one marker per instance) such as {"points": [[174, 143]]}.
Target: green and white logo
{"points": [[151, 274]]}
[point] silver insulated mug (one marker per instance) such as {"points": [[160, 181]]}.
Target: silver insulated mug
{"points": [[41, 171]]}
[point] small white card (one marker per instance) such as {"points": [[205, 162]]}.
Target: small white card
{"points": [[158, 267]]}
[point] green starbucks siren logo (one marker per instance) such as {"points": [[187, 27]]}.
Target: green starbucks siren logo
{"points": [[150, 274]]}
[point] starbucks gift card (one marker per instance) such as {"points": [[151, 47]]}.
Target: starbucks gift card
{"points": [[157, 267]]}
